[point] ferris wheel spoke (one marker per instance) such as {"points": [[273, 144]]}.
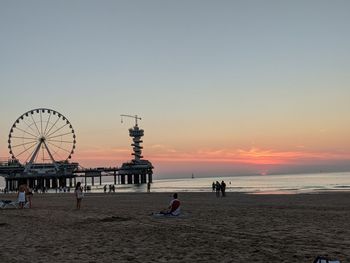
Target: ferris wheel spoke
{"points": [[31, 115], [59, 156], [43, 152], [60, 141], [47, 123], [52, 126], [24, 138], [48, 138], [35, 136], [41, 122], [29, 126], [26, 150], [58, 147], [22, 144], [57, 130]]}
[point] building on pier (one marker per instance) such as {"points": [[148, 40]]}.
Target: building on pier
{"points": [[138, 170]]}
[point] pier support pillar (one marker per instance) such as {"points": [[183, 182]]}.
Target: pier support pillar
{"points": [[31, 183], [129, 178], [54, 182], [143, 179], [47, 183], [92, 181], [115, 177], [100, 179], [136, 178], [150, 178], [62, 182], [123, 178], [41, 183]]}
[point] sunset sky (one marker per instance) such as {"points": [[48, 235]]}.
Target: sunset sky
{"points": [[223, 87]]}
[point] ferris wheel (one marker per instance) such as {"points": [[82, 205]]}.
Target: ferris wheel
{"points": [[41, 136]]}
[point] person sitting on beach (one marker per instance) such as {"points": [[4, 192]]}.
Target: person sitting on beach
{"points": [[173, 208], [79, 194]]}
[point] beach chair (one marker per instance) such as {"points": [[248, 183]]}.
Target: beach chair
{"points": [[5, 204], [321, 259]]}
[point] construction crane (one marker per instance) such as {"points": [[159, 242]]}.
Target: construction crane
{"points": [[130, 116]]}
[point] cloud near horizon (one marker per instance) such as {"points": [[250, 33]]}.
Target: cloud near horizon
{"points": [[251, 156]]}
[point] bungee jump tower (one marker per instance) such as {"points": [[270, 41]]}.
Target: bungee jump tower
{"points": [[137, 170]]}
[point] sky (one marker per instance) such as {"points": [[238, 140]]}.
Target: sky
{"points": [[222, 87]]}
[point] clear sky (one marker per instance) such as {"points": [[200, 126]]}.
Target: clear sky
{"points": [[223, 87]]}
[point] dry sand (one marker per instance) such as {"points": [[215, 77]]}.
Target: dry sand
{"points": [[118, 228]]}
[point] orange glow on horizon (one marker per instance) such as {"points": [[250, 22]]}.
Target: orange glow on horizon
{"points": [[252, 156]]}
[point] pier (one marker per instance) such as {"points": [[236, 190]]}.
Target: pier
{"points": [[40, 136]]}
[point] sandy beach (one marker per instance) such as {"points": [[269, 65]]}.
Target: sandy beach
{"points": [[119, 228]]}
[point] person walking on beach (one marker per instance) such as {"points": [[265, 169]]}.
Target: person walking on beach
{"points": [[79, 194], [213, 187], [223, 189], [148, 187], [217, 188], [105, 188]]}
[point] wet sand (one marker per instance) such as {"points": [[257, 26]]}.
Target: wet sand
{"points": [[118, 228]]}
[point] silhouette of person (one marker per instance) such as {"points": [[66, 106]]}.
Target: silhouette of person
{"points": [[79, 194], [223, 189], [217, 188]]}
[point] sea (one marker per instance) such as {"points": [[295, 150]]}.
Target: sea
{"points": [[251, 184]]}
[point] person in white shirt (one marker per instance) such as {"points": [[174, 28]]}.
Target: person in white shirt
{"points": [[21, 196]]}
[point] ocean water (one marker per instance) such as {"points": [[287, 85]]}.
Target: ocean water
{"points": [[257, 184], [260, 184]]}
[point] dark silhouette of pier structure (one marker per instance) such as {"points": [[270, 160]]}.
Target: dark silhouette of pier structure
{"points": [[38, 137]]}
